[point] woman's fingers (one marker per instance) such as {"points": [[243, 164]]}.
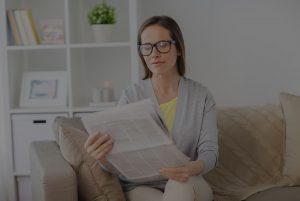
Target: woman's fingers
{"points": [[178, 174], [97, 141], [90, 140], [103, 150], [176, 177], [102, 156], [98, 145]]}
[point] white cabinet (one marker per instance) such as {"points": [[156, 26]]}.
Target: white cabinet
{"points": [[88, 65], [24, 188], [25, 129]]}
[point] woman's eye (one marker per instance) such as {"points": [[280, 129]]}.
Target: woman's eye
{"points": [[163, 44], [147, 47]]}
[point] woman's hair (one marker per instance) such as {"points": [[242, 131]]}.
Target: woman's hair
{"points": [[176, 35]]}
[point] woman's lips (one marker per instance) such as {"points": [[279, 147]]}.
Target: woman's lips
{"points": [[157, 62]]}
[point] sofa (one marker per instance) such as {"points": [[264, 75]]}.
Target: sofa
{"points": [[258, 160]]}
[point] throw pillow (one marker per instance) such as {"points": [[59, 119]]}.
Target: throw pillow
{"points": [[291, 109], [251, 149], [74, 122], [94, 183]]}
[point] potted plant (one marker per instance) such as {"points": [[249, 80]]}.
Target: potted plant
{"points": [[102, 18]]}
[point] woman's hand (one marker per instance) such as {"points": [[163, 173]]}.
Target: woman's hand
{"points": [[183, 173], [99, 145]]}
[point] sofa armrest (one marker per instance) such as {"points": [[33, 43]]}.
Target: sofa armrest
{"points": [[52, 178]]}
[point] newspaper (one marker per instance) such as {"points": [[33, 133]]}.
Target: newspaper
{"points": [[142, 143]]}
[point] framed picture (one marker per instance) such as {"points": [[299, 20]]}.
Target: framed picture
{"points": [[44, 89], [52, 31]]}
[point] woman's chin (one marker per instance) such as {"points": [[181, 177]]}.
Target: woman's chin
{"points": [[158, 71]]}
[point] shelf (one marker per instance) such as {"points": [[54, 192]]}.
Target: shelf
{"points": [[39, 110], [88, 65], [36, 47], [89, 109], [56, 110], [93, 45], [21, 174], [62, 46]]}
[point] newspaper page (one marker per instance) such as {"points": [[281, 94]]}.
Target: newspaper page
{"points": [[142, 144]]}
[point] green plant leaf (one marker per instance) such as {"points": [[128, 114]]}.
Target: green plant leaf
{"points": [[102, 14]]}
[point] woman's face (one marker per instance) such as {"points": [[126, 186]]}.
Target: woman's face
{"points": [[157, 62]]}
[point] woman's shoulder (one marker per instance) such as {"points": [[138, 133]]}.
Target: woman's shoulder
{"points": [[195, 86], [134, 92], [139, 87], [198, 92]]}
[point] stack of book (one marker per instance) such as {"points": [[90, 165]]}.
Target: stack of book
{"points": [[21, 27]]}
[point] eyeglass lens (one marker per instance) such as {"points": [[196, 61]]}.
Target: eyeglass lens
{"points": [[161, 46]]}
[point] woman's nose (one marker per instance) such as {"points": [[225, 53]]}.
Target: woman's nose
{"points": [[155, 52]]}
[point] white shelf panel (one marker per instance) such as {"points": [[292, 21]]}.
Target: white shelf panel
{"points": [[88, 109], [36, 47], [93, 45], [79, 45], [21, 174], [38, 110]]}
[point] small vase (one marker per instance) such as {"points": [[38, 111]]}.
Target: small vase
{"points": [[107, 92], [102, 32]]}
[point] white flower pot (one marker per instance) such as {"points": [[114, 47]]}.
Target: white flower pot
{"points": [[102, 32]]}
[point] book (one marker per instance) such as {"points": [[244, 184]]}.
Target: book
{"points": [[28, 28], [33, 26], [21, 27], [14, 28]]}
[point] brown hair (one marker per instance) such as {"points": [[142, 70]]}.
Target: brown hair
{"points": [[176, 35]]}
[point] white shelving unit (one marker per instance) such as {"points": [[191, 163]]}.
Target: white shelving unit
{"points": [[87, 64]]}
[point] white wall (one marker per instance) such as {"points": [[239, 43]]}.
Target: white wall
{"points": [[244, 51], [3, 162], [2, 154]]}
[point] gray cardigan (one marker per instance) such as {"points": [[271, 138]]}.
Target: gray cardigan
{"points": [[195, 130]]}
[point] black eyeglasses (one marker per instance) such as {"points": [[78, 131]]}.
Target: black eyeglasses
{"points": [[163, 46]]}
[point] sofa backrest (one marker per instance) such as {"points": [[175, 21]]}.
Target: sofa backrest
{"points": [[251, 149]]}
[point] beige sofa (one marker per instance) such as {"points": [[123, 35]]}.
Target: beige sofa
{"points": [[251, 163]]}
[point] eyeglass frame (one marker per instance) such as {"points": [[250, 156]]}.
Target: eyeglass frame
{"points": [[155, 45]]}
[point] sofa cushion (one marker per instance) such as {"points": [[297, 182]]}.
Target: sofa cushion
{"points": [[291, 109], [74, 122], [277, 194], [251, 146], [94, 183]]}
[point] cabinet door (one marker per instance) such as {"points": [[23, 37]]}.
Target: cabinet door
{"points": [[24, 189], [27, 128]]}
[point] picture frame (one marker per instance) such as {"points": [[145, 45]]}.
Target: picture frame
{"points": [[52, 31], [44, 89]]}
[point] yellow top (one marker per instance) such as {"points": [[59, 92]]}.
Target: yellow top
{"points": [[168, 110]]}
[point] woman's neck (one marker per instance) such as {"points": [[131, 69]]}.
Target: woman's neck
{"points": [[165, 87]]}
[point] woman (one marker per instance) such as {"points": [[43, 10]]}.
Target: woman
{"points": [[188, 110]]}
